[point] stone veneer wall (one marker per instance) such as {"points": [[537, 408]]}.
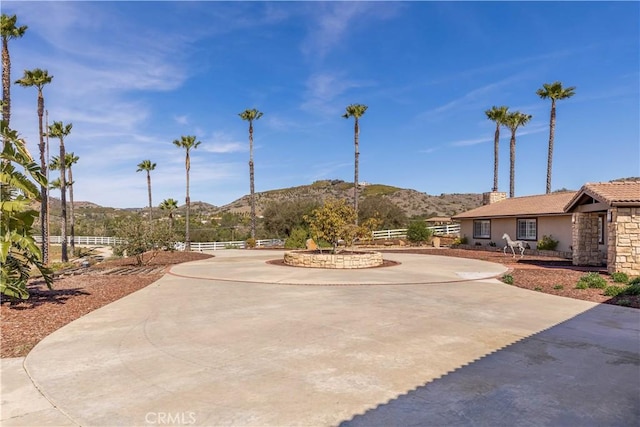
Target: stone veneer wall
{"points": [[585, 239], [624, 241], [344, 261], [493, 197]]}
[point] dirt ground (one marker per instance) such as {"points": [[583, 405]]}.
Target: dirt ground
{"points": [[81, 290]]}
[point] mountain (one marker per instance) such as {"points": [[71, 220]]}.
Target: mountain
{"points": [[412, 202]]}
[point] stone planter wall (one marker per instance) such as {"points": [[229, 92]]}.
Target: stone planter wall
{"points": [[327, 260]]}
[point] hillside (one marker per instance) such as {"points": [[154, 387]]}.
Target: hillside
{"points": [[412, 202]]}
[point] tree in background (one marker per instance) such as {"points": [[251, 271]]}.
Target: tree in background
{"points": [[70, 160], [61, 131], [498, 116], [38, 78], [513, 121], [9, 31], [250, 116], [356, 111], [169, 205], [18, 190], [148, 166], [188, 143], [142, 241], [282, 218], [555, 92], [390, 215], [418, 232]]}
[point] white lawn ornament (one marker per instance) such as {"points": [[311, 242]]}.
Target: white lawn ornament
{"points": [[513, 244]]}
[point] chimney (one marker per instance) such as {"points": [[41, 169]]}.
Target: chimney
{"points": [[493, 197]]}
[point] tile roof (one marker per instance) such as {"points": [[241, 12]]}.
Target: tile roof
{"points": [[617, 193], [546, 204]]}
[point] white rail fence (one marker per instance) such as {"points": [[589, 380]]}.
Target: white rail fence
{"points": [[401, 233]]}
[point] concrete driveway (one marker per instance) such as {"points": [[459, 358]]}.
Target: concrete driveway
{"points": [[233, 340]]}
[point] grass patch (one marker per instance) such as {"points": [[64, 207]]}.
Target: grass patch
{"points": [[379, 190], [612, 291], [620, 277], [591, 280], [508, 279]]}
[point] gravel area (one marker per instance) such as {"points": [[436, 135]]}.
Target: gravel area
{"points": [[83, 290]]}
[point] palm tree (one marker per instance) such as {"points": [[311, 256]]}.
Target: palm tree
{"points": [[169, 205], [188, 143], [356, 111], [9, 31], [555, 92], [60, 131], [513, 121], [250, 116], [39, 78], [148, 166], [497, 115], [69, 160]]}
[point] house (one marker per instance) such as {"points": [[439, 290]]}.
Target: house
{"points": [[606, 221], [527, 218], [597, 225]]}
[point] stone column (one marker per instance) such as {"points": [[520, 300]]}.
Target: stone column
{"points": [[585, 239], [624, 241]]}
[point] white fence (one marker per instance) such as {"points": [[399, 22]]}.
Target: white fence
{"points": [[401, 233], [195, 246], [83, 240]]}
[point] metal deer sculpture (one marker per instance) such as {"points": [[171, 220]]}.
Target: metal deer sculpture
{"points": [[513, 244]]}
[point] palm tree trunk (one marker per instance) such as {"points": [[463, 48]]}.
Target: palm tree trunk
{"points": [[496, 142], [149, 190], [552, 131], [44, 202], [6, 81], [512, 165], [72, 222], [251, 183], [187, 243], [355, 178], [63, 200]]}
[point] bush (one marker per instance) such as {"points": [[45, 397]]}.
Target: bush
{"points": [[591, 280], [619, 277], [634, 281], [612, 291], [508, 279], [632, 289], [547, 244], [418, 232], [251, 242], [298, 239]]}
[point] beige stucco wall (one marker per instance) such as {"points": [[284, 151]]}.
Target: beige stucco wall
{"points": [[557, 226]]}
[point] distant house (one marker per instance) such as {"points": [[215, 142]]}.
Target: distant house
{"points": [[606, 221], [526, 218], [598, 225]]}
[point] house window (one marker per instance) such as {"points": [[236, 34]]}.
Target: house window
{"points": [[481, 229], [601, 229], [527, 229]]}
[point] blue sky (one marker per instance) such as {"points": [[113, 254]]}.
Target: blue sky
{"points": [[134, 76]]}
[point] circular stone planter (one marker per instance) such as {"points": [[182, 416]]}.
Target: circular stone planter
{"points": [[345, 260]]}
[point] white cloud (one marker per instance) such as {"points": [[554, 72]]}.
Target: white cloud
{"points": [[323, 89]]}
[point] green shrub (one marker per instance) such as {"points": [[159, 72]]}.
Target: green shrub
{"points": [[297, 239], [251, 243], [582, 285], [418, 232], [632, 289], [619, 277], [612, 291], [508, 279], [634, 281], [625, 302], [592, 280], [547, 244]]}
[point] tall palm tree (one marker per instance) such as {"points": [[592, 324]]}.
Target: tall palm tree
{"points": [[513, 121], [169, 205], [555, 92], [39, 78], [188, 143], [9, 31], [250, 116], [148, 166], [70, 160], [356, 111], [496, 115], [60, 130]]}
